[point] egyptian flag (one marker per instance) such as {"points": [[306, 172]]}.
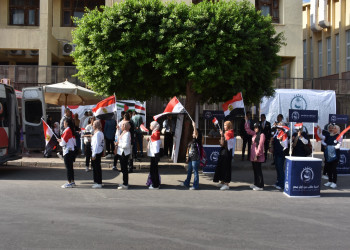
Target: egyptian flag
{"points": [[105, 109], [215, 121], [154, 143], [283, 137], [235, 103], [140, 108], [231, 140], [343, 133], [143, 128], [316, 135], [298, 125], [50, 139], [173, 107]]}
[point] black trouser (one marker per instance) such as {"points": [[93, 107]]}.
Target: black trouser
{"points": [[246, 139], [68, 162], [168, 144], [266, 148], [116, 157], [88, 153], [258, 175], [110, 146], [154, 172], [124, 166], [97, 171], [332, 171], [326, 168]]}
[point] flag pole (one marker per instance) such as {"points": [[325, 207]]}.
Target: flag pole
{"points": [[245, 114], [189, 115], [313, 139], [290, 140]]}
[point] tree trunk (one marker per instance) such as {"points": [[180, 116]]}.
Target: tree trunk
{"points": [[187, 130]]}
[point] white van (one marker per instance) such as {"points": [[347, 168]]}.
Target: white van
{"points": [[10, 130], [33, 109]]}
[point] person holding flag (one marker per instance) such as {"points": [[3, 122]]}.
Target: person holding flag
{"points": [[223, 169], [193, 158], [153, 149], [257, 155], [332, 141], [300, 141], [97, 146], [279, 147], [67, 142]]}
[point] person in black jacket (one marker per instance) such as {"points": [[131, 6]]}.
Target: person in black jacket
{"points": [[300, 140], [265, 128], [245, 136]]}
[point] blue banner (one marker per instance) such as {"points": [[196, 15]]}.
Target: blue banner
{"points": [[299, 115], [210, 114], [339, 119], [303, 177], [212, 152], [344, 161]]}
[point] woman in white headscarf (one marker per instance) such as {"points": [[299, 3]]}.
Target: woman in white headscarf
{"points": [[153, 148]]}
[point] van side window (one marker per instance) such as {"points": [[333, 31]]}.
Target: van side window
{"points": [[33, 111], [3, 114]]}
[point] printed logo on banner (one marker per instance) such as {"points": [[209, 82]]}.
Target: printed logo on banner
{"points": [[298, 102], [333, 118], [342, 159], [295, 115], [307, 175], [214, 156], [286, 186], [208, 115]]}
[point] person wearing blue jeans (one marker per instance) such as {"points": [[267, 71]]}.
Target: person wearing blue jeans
{"points": [[193, 159]]}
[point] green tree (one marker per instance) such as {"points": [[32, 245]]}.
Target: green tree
{"points": [[207, 52]]}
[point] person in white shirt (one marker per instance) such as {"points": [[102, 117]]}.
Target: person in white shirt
{"points": [[124, 150], [67, 142], [88, 133], [97, 145]]}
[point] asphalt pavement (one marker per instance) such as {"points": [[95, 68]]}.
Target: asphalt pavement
{"points": [[35, 213]]}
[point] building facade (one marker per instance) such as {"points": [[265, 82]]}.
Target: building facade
{"points": [[326, 48], [35, 42]]}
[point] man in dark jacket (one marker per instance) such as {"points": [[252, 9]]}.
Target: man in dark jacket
{"points": [[244, 135], [265, 128]]}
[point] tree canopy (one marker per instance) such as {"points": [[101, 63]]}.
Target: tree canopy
{"points": [[144, 48]]}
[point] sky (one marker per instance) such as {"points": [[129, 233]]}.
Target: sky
{"points": [[306, 1]]}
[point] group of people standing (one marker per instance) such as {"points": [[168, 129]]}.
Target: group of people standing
{"points": [[262, 137]]}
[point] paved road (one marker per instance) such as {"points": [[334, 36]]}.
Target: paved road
{"points": [[35, 213]]}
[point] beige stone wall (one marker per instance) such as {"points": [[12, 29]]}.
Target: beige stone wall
{"points": [[50, 36]]}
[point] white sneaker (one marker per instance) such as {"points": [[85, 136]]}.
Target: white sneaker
{"points": [[114, 168], [252, 186], [67, 185], [224, 187], [86, 169], [333, 185], [325, 177], [73, 184], [59, 156], [97, 185], [192, 188], [219, 185], [258, 189], [328, 184], [151, 187], [122, 187], [277, 187]]}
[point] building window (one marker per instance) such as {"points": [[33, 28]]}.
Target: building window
{"points": [[337, 53], [329, 56], [304, 59], [348, 50], [269, 7], [319, 58], [24, 12], [311, 60], [75, 8]]}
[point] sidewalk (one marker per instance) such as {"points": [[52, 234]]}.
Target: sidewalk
{"points": [[38, 160]]}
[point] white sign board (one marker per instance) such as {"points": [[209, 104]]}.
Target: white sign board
{"points": [[306, 99]]}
